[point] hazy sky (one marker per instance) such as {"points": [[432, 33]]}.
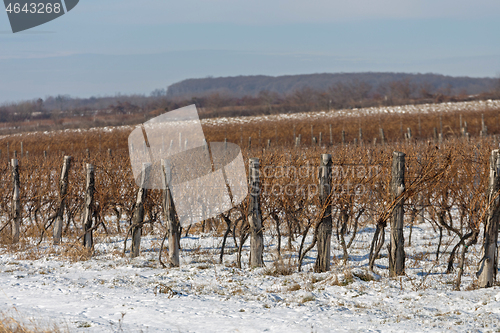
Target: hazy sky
{"points": [[104, 47]]}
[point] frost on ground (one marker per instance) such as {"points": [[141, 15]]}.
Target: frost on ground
{"points": [[113, 293]]}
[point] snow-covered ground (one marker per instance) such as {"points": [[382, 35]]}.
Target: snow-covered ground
{"points": [[110, 293], [403, 109]]}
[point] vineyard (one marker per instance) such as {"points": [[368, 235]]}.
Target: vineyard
{"points": [[328, 201]]}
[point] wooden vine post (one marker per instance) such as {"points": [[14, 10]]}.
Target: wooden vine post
{"points": [[173, 225], [382, 136], [63, 189], [396, 247], [488, 264], [255, 215], [89, 207], [138, 214], [325, 227], [16, 202]]}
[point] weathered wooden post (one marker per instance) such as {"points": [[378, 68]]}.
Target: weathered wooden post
{"points": [[297, 140], [63, 189], [396, 250], [441, 124], [249, 142], [138, 214], [331, 135], [22, 145], [320, 140], [325, 228], [360, 136], [460, 123], [382, 136], [419, 127], [488, 264], [268, 143], [16, 202], [88, 241], [343, 137], [255, 215], [173, 225], [484, 129]]}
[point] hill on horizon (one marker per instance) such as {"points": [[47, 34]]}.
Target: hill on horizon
{"points": [[238, 86]]}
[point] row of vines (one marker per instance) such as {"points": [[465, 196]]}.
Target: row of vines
{"points": [[446, 182]]}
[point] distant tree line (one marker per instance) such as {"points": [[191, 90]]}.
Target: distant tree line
{"points": [[122, 109]]}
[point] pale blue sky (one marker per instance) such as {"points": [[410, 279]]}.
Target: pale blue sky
{"points": [[104, 47]]}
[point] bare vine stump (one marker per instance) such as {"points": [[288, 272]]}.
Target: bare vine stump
{"points": [[170, 217], [89, 207], [420, 201], [16, 202], [255, 215], [63, 189], [138, 214], [325, 226], [396, 249], [488, 265]]}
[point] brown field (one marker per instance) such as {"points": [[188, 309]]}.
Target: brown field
{"points": [[442, 178]]}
